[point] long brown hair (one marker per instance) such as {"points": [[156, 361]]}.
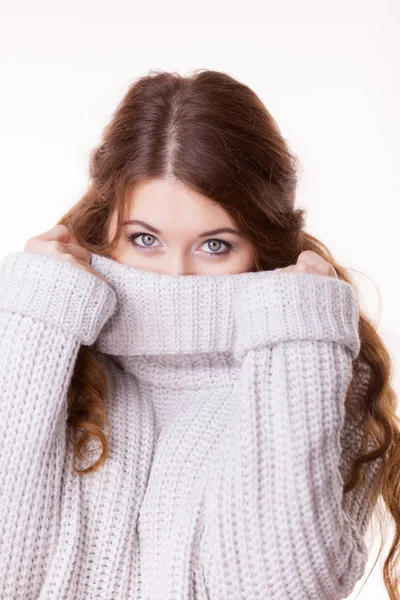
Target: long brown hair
{"points": [[212, 133]]}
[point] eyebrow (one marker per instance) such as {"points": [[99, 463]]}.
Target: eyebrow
{"points": [[204, 234]]}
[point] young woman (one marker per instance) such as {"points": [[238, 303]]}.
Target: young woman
{"points": [[187, 381]]}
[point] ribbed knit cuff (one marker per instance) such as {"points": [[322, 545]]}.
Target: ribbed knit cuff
{"points": [[296, 306], [56, 292]]}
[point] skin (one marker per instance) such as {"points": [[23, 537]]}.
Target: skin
{"points": [[181, 215]]}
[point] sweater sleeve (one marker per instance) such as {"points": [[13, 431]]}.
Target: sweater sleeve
{"points": [[276, 524], [48, 308]]}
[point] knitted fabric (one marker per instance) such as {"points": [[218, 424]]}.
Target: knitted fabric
{"points": [[229, 439]]}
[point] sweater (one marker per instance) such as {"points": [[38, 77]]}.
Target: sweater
{"points": [[229, 438]]}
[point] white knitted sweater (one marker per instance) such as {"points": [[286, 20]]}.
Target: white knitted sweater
{"points": [[229, 439]]}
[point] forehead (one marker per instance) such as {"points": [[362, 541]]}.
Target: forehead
{"points": [[166, 202]]}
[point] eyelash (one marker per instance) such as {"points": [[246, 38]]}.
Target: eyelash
{"points": [[132, 237]]}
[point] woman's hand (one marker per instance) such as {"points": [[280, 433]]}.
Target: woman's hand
{"points": [[63, 245], [310, 262]]}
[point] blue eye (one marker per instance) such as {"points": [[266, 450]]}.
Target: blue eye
{"points": [[133, 237], [227, 244], [147, 247]]}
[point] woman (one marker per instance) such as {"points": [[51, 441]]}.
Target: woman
{"points": [[235, 403]]}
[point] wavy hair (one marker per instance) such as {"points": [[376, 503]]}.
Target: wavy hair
{"points": [[213, 133]]}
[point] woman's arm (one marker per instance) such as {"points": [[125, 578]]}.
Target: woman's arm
{"points": [[48, 308], [275, 525]]}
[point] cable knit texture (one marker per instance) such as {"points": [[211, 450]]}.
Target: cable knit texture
{"points": [[229, 439]]}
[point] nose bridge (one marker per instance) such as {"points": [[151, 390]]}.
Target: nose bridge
{"points": [[178, 262], [179, 265]]}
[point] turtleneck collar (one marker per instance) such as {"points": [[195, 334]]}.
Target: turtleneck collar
{"points": [[161, 314], [191, 331]]}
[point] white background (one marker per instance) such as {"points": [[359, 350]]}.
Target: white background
{"points": [[328, 71]]}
